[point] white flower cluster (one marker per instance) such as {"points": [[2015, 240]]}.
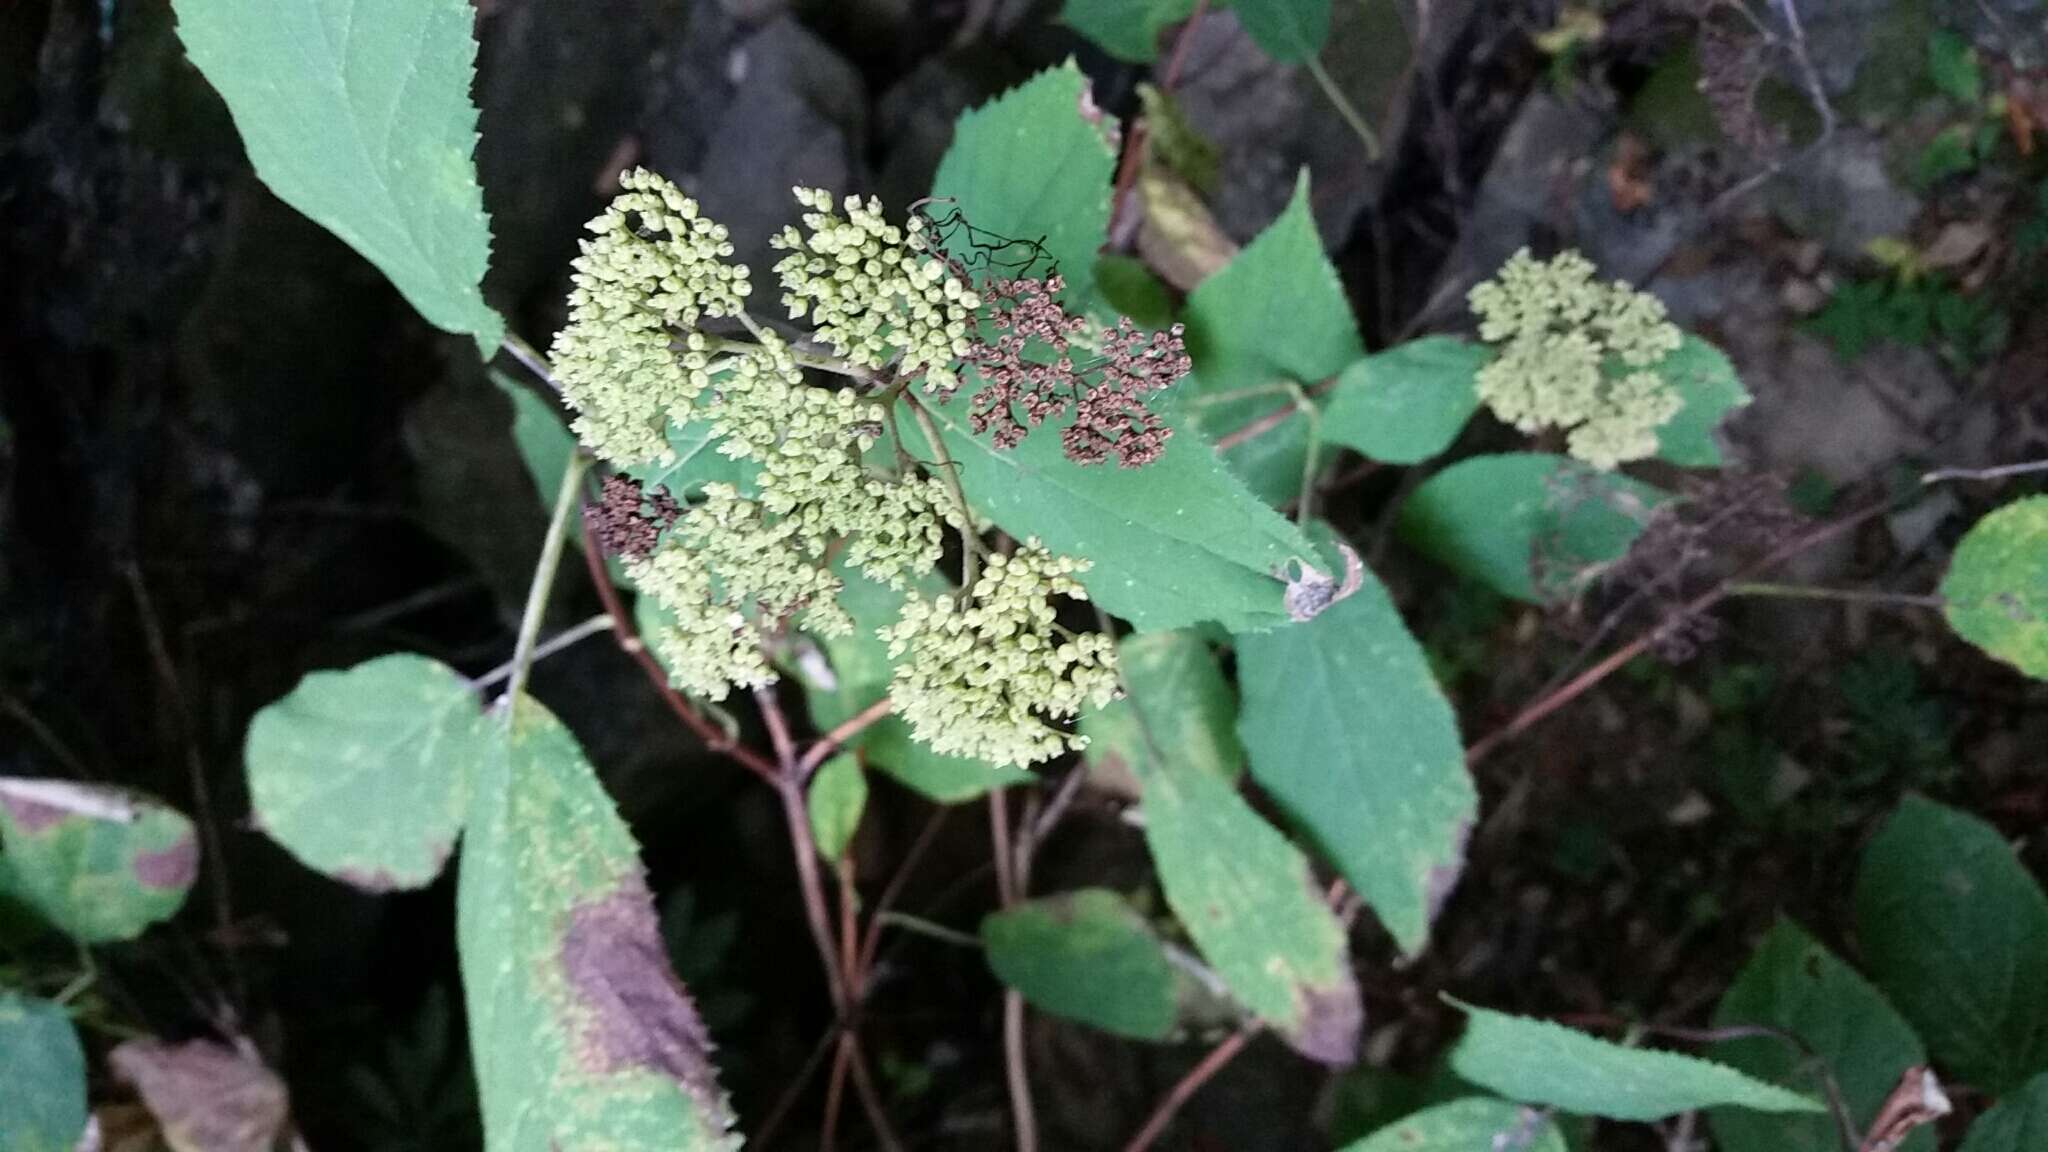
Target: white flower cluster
{"points": [[975, 678], [1577, 354], [874, 291]]}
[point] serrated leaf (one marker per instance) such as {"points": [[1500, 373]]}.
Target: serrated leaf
{"points": [[1034, 164], [1504, 520], [97, 863], [1189, 709], [1406, 404], [1537, 1062], [1275, 314], [42, 1090], [2019, 1123], [1126, 29], [363, 773], [1086, 956], [582, 1037], [850, 672], [1478, 1124], [1955, 931], [1287, 30], [357, 113], [1247, 899], [837, 797], [1175, 543], [1996, 592], [1795, 985], [1348, 730], [1707, 382]]}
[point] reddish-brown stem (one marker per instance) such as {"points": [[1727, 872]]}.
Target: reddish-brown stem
{"points": [[631, 644], [1185, 1088], [1134, 151], [846, 730], [871, 941], [1549, 702], [1016, 1067], [1259, 426]]}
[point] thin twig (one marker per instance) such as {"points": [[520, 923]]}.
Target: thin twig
{"points": [[842, 732], [970, 558], [2002, 472], [764, 1136], [919, 926], [872, 940], [1839, 595], [1016, 1064], [566, 500], [1177, 1096], [530, 359], [1344, 107], [566, 638]]}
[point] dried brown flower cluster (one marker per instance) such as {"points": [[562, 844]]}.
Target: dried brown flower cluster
{"points": [[1106, 394], [629, 519]]}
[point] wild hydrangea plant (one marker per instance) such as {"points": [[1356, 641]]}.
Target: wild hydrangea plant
{"points": [[982, 669]]}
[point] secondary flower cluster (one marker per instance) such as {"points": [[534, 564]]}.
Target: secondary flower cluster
{"points": [[981, 671], [1107, 396], [972, 678], [873, 290], [1577, 354], [652, 267]]}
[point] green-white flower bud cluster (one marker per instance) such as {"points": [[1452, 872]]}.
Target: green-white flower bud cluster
{"points": [[874, 291], [977, 678], [652, 267], [1577, 354]]}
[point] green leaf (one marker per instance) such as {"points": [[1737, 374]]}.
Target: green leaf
{"points": [[1711, 389], [1035, 164], [1406, 404], [1349, 732], [1086, 956], [1503, 520], [1952, 65], [1247, 899], [1795, 985], [1189, 707], [1286, 30], [1996, 592], [581, 1035], [2019, 1123], [357, 113], [1477, 1124], [1176, 543], [42, 1093], [1129, 288], [1126, 29], [544, 442], [851, 672], [1538, 1062], [1276, 314], [96, 863], [1951, 153], [363, 774], [1956, 932], [838, 796]]}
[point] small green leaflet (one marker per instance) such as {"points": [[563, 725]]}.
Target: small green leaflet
{"points": [[845, 674], [1406, 404], [1952, 65], [357, 113], [42, 1091], [1086, 956], [1795, 985], [1349, 732], [2018, 1124], [1711, 390], [1537, 1062], [1507, 520], [1178, 542], [837, 797], [582, 1037], [97, 863], [1955, 931], [1276, 314], [1245, 896], [1477, 1124], [1287, 30], [1034, 164], [1189, 705], [1126, 29], [1996, 592], [363, 773]]}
